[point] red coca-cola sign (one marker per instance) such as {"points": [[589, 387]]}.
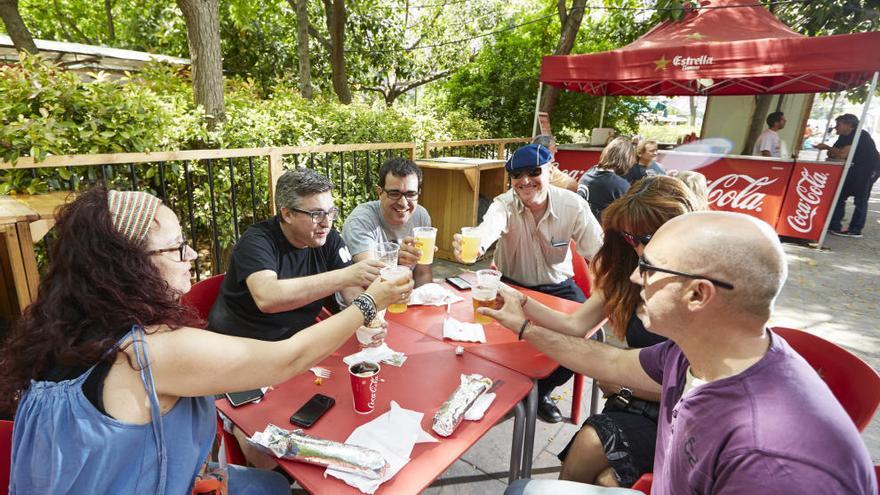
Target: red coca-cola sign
{"points": [[808, 202], [756, 188]]}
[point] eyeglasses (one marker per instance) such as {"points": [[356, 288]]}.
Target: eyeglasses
{"points": [[181, 250], [395, 194], [645, 267], [319, 216], [532, 172], [634, 240]]}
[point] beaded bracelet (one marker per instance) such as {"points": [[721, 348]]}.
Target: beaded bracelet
{"points": [[523, 328], [367, 307]]}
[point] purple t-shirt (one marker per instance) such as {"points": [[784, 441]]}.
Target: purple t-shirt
{"points": [[774, 428]]}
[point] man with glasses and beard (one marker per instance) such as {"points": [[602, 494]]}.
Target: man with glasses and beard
{"points": [[534, 223], [283, 270], [391, 218], [740, 411]]}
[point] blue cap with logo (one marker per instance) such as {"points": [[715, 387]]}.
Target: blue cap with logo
{"points": [[527, 157]]}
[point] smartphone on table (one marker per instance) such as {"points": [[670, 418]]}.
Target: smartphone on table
{"points": [[312, 410], [459, 283], [241, 398]]}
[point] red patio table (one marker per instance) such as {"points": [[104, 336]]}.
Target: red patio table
{"points": [[429, 375], [501, 347]]}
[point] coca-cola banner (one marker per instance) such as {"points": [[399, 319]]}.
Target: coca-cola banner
{"points": [[808, 202], [753, 187]]}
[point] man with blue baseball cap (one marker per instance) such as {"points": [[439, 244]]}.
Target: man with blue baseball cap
{"points": [[533, 223]]}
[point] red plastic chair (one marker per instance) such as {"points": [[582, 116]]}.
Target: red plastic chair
{"points": [[582, 279], [852, 381], [203, 294], [5, 455]]}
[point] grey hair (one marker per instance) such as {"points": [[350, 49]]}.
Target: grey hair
{"points": [[296, 184], [544, 140]]}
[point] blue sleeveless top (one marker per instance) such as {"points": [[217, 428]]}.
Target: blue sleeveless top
{"points": [[63, 444]]}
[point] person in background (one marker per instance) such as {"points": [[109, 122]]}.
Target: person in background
{"points": [[604, 183], [112, 385], [558, 178], [284, 270], [860, 178], [646, 154], [394, 214], [696, 182], [534, 223], [769, 142], [740, 411]]}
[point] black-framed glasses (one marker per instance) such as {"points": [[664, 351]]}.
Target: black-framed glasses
{"points": [[645, 267], [396, 194], [319, 216], [180, 250], [634, 240], [531, 172]]}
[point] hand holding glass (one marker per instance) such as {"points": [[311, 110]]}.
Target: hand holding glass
{"points": [[395, 274], [485, 293], [470, 244]]}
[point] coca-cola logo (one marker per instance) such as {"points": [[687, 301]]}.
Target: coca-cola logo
{"points": [[810, 188], [738, 191], [374, 384]]}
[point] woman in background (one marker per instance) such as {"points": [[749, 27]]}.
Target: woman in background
{"points": [[646, 152]]}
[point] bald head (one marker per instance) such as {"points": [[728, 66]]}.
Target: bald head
{"points": [[731, 247]]}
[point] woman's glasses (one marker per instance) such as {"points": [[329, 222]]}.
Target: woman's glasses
{"points": [[180, 250], [634, 240]]}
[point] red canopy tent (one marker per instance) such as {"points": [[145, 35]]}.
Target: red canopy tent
{"points": [[725, 47], [734, 47]]}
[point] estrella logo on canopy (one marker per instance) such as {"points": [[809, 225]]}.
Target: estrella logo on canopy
{"points": [[692, 63]]}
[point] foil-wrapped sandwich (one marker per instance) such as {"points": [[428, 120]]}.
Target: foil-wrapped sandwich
{"points": [[451, 413], [296, 445]]}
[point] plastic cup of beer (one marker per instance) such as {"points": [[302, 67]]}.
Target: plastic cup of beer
{"points": [[426, 237], [470, 244], [485, 293], [396, 273], [386, 252]]}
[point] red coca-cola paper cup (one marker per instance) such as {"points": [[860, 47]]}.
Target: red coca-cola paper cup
{"points": [[364, 382]]}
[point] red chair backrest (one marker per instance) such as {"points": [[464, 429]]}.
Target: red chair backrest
{"points": [[203, 294], [644, 483], [581, 271], [5, 455], [852, 381]]}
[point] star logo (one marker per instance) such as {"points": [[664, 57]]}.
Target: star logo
{"points": [[695, 36], [661, 63]]}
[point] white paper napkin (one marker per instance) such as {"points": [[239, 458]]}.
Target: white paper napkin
{"points": [[463, 332], [433, 295], [393, 434], [381, 353], [479, 407]]}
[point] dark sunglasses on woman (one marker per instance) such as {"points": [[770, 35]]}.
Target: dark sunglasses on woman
{"points": [[634, 240]]}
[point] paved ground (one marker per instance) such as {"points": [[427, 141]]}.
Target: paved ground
{"points": [[833, 293]]}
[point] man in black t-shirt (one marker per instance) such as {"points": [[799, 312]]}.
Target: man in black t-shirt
{"points": [[283, 270], [860, 178]]}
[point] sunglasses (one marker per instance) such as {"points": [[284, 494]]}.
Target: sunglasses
{"points": [[634, 240], [646, 268], [532, 172]]}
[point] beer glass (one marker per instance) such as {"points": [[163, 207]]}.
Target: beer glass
{"points": [[386, 252], [395, 273], [470, 244], [485, 292], [425, 239]]}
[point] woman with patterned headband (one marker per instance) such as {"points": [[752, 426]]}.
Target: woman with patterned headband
{"points": [[110, 382]]}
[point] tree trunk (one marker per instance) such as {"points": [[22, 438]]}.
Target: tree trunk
{"points": [[302, 47], [571, 23], [692, 101], [336, 24], [108, 10], [762, 105], [22, 39], [203, 37]]}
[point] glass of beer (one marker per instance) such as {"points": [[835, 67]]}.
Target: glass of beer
{"points": [[485, 293], [470, 244], [395, 273], [386, 252], [425, 239]]}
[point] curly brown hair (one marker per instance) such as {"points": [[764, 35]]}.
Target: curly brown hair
{"points": [[97, 286], [649, 203]]}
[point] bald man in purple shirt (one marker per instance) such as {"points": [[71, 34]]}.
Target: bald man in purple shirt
{"points": [[740, 411]]}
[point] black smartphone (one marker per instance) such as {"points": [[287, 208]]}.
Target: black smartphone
{"points": [[459, 283], [312, 410], [240, 398]]}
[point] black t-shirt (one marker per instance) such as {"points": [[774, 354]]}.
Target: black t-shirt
{"points": [[264, 247], [638, 337], [866, 160], [600, 188]]}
